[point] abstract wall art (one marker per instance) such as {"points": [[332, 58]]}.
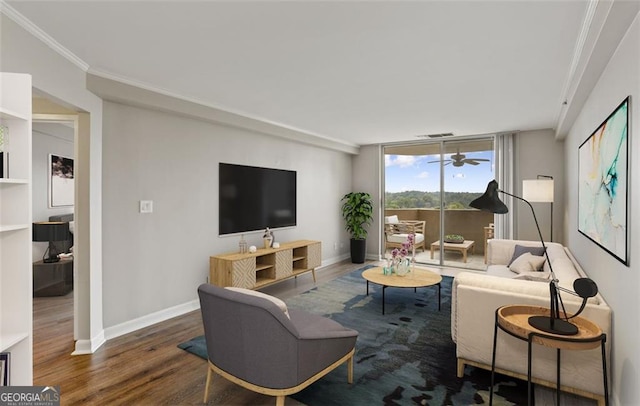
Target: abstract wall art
{"points": [[603, 184], [61, 181]]}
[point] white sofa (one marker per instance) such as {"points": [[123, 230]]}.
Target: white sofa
{"points": [[476, 296]]}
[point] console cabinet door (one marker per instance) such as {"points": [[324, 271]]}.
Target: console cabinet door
{"points": [[244, 273]]}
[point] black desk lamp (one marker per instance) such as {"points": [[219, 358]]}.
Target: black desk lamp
{"points": [[584, 287], [51, 231]]}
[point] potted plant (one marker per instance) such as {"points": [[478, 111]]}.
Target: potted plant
{"points": [[357, 211]]}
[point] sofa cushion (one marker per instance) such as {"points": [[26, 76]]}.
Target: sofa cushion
{"points": [[282, 305], [535, 276], [527, 263], [521, 249], [402, 237]]}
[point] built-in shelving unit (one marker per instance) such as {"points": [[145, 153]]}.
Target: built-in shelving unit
{"points": [[265, 266], [15, 228]]}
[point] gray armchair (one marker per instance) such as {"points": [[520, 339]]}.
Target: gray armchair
{"points": [[253, 343]]}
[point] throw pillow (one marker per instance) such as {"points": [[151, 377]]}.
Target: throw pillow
{"points": [[282, 305], [521, 249], [535, 276], [526, 263]]}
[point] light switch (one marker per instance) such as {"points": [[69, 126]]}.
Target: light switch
{"points": [[146, 206]]}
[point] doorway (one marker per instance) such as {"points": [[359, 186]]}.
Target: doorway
{"points": [[54, 321], [434, 182]]}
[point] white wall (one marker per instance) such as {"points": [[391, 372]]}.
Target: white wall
{"points": [[156, 261], [538, 153], [619, 284], [48, 138]]}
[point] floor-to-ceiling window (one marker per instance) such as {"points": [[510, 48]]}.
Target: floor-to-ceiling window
{"points": [[434, 182]]}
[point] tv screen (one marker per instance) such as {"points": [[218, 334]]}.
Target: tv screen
{"points": [[253, 198]]}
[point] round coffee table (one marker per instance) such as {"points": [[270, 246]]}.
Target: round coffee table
{"points": [[417, 278]]}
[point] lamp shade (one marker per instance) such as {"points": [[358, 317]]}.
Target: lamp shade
{"points": [[538, 190], [490, 201], [51, 231]]}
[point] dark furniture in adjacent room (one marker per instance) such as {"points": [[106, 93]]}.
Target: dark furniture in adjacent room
{"points": [[52, 278]]}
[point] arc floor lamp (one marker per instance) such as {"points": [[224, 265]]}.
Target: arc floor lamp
{"points": [[583, 287]]}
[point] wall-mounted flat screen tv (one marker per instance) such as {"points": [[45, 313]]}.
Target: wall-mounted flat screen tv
{"points": [[253, 198]]}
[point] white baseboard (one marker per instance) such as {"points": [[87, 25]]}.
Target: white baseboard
{"points": [[150, 319], [84, 347], [334, 260]]}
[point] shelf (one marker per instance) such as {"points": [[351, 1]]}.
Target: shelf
{"points": [[13, 181], [262, 267], [263, 281], [298, 258], [9, 340], [8, 114], [13, 227]]}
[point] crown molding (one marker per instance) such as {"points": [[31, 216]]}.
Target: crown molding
{"points": [[37, 32], [127, 91], [604, 26]]}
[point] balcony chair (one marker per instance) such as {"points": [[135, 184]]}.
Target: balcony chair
{"points": [[254, 341], [396, 232]]}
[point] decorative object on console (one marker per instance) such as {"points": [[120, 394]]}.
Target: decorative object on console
{"points": [[51, 231], [603, 183], [357, 211], [454, 238], [253, 249], [540, 190], [242, 245], [267, 237], [61, 181], [583, 287]]}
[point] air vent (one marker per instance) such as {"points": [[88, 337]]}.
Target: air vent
{"points": [[435, 135]]}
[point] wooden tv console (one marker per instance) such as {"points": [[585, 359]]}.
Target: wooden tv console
{"points": [[255, 270]]}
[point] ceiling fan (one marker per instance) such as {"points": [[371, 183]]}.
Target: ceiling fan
{"points": [[459, 159]]}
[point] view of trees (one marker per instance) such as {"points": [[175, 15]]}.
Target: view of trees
{"points": [[415, 199]]}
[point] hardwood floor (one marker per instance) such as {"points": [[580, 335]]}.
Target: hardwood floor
{"points": [[147, 368], [144, 367]]}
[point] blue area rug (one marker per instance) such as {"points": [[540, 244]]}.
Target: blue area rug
{"points": [[405, 357]]}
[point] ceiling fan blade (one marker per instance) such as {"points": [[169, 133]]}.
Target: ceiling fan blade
{"points": [[470, 162], [444, 160], [480, 159]]}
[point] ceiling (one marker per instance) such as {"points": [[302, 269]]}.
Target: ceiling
{"points": [[359, 72]]}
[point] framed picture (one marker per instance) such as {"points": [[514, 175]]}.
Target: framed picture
{"points": [[61, 182], [5, 357], [604, 182]]}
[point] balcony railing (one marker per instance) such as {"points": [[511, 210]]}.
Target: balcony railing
{"points": [[469, 223]]}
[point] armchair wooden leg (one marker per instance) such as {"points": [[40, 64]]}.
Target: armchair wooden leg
{"points": [[280, 401], [460, 368], [206, 385], [350, 370]]}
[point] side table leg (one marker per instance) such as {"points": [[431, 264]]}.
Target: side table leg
{"points": [[493, 355], [530, 342], [604, 371], [383, 289], [367, 287], [558, 376]]}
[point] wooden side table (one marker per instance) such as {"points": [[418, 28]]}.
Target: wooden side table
{"points": [[514, 320]]}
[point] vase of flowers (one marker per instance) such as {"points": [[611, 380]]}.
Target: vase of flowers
{"points": [[400, 256]]}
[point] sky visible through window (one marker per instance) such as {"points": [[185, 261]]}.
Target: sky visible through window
{"points": [[411, 172]]}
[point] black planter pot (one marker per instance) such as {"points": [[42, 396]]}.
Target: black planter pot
{"points": [[358, 250]]}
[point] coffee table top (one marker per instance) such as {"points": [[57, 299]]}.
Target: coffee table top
{"points": [[417, 278], [465, 244]]}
